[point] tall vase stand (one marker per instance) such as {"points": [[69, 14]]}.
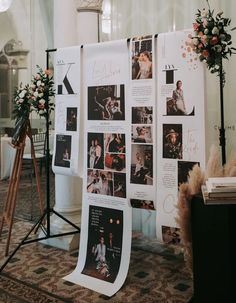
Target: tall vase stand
{"points": [[10, 205]]}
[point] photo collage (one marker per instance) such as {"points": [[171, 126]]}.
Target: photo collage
{"points": [[106, 160], [64, 142], [141, 169], [180, 109], [67, 112], [106, 163], [105, 238]]}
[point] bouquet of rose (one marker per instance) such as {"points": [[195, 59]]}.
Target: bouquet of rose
{"points": [[32, 97], [41, 89], [211, 40], [22, 101]]}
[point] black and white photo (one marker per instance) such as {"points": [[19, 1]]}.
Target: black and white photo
{"points": [[71, 119], [106, 102], [142, 115], [63, 151], [141, 164]]}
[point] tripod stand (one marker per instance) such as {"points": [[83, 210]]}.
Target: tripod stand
{"points": [[48, 210]]}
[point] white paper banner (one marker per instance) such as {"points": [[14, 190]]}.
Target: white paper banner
{"points": [[105, 241], [142, 187], [181, 128], [67, 111]]}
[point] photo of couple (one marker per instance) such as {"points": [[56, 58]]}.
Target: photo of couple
{"points": [[106, 102], [104, 247], [142, 58], [106, 183], [171, 235], [95, 150]]}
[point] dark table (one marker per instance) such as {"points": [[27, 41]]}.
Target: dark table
{"points": [[214, 252]]}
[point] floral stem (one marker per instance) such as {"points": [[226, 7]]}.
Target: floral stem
{"points": [[208, 5]]}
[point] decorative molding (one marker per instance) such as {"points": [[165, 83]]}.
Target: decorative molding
{"points": [[15, 48], [89, 6]]}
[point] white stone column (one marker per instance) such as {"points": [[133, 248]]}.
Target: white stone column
{"points": [[75, 22], [88, 20], [67, 189]]}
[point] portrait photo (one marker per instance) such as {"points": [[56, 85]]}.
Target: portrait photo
{"points": [[95, 145], [172, 141], [141, 134], [106, 102], [114, 143], [63, 151], [142, 115], [177, 105], [71, 119], [142, 58], [141, 164]]}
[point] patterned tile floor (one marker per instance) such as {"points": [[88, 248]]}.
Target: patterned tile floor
{"points": [[35, 273]]}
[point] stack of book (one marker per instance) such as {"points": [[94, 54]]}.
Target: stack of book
{"points": [[220, 190]]}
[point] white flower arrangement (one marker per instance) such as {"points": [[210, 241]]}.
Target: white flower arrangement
{"points": [[32, 97], [23, 101]]}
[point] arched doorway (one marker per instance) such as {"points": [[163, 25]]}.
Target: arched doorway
{"points": [[4, 87], [9, 74]]}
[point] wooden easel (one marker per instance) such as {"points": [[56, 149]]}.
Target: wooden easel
{"points": [[10, 205]]}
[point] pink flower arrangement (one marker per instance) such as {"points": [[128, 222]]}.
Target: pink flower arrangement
{"points": [[211, 38], [41, 90]]}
